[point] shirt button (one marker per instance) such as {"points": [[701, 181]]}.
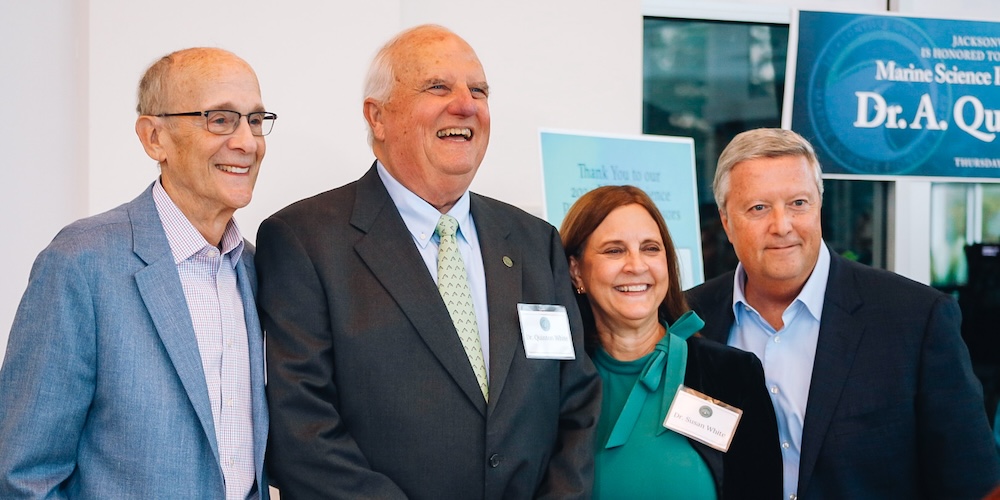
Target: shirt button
{"points": [[495, 460], [792, 497], [777, 339], [229, 402], [774, 389], [784, 445]]}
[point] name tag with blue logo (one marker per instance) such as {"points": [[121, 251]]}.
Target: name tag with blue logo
{"points": [[545, 331], [702, 418]]}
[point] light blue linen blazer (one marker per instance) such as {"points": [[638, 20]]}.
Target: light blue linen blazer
{"points": [[102, 392]]}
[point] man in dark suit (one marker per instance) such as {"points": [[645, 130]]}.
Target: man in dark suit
{"points": [[869, 377], [373, 393]]}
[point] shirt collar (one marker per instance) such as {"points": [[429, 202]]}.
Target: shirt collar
{"points": [[420, 217], [812, 295], [185, 240]]}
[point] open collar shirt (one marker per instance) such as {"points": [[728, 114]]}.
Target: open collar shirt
{"points": [[787, 355], [208, 277], [421, 219]]}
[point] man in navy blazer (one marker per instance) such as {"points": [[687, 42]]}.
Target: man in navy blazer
{"points": [[135, 363], [867, 371], [372, 392]]}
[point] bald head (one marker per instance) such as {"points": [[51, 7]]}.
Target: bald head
{"points": [[175, 72]]}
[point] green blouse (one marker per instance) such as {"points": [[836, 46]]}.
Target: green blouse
{"points": [[636, 456]]}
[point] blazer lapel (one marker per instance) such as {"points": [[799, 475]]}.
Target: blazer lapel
{"points": [[839, 336], [246, 279], [160, 288], [404, 275], [718, 309], [502, 291]]}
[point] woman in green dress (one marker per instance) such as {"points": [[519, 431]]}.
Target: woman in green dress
{"points": [[643, 340]]}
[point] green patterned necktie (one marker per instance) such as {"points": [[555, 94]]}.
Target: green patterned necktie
{"points": [[453, 284]]}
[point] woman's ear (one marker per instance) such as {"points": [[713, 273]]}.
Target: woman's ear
{"points": [[574, 274]]}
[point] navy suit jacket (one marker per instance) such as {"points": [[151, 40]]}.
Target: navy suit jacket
{"points": [[102, 391], [894, 409], [371, 391]]}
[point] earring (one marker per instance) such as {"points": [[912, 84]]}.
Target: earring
{"points": [[580, 290]]}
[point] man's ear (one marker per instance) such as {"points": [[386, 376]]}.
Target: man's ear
{"points": [[373, 115], [150, 133], [725, 223]]}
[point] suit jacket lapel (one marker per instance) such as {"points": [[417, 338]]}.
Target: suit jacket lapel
{"points": [[502, 291], [160, 288], [247, 279], [389, 252], [718, 308], [839, 336]]}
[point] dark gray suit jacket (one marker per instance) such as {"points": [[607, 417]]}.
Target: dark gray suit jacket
{"points": [[894, 409], [371, 392]]}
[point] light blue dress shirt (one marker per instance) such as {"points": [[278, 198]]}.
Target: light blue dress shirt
{"points": [[421, 219], [787, 355]]}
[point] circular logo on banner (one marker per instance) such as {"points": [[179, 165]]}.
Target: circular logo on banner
{"points": [[705, 411], [544, 323], [843, 74]]}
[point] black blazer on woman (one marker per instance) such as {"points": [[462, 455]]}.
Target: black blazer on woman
{"points": [[752, 466]]}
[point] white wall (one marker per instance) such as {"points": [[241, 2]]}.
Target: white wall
{"points": [[71, 67], [559, 63], [43, 135]]}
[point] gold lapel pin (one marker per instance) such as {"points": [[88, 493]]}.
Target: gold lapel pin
{"points": [[507, 262]]}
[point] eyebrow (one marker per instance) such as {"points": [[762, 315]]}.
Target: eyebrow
{"points": [[435, 81], [259, 108]]}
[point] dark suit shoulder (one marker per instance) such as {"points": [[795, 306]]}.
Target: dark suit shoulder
{"points": [[326, 204], [509, 213], [711, 291], [872, 282]]}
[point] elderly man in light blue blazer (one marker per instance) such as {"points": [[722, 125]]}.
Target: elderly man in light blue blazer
{"points": [[135, 366]]}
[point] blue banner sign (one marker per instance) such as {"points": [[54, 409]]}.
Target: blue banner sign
{"points": [[885, 96], [663, 167]]}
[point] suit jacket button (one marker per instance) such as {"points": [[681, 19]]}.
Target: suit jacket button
{"points": [[495, 460]]}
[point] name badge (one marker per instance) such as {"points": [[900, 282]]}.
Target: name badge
{"points": [[545, 330], [699, 417]]}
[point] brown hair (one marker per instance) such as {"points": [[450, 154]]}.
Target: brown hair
{"points": [[587, 213]]}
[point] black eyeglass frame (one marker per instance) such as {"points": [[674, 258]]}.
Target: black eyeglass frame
{"points": [[266, 116]]}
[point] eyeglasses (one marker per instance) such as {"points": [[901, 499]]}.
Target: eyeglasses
{"points": [[225, 122]]}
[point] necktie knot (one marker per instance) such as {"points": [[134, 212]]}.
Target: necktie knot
{"points": [[447, 226]]}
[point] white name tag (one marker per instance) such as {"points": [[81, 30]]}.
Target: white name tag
{"points": [[702, 418], [545, 330]]}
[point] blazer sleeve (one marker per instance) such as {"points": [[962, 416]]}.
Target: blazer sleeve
{"points": [[753, 467], [957, 457], [47, 380], [571, 469], [310, 453]]}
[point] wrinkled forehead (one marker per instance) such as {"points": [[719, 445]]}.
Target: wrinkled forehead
{"points": [[197, 77], [427, 52]]}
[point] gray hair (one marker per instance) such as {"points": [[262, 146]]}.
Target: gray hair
{"points": [[762, 143]]}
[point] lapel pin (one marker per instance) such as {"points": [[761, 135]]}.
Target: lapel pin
{"points": [[507, 262]]}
